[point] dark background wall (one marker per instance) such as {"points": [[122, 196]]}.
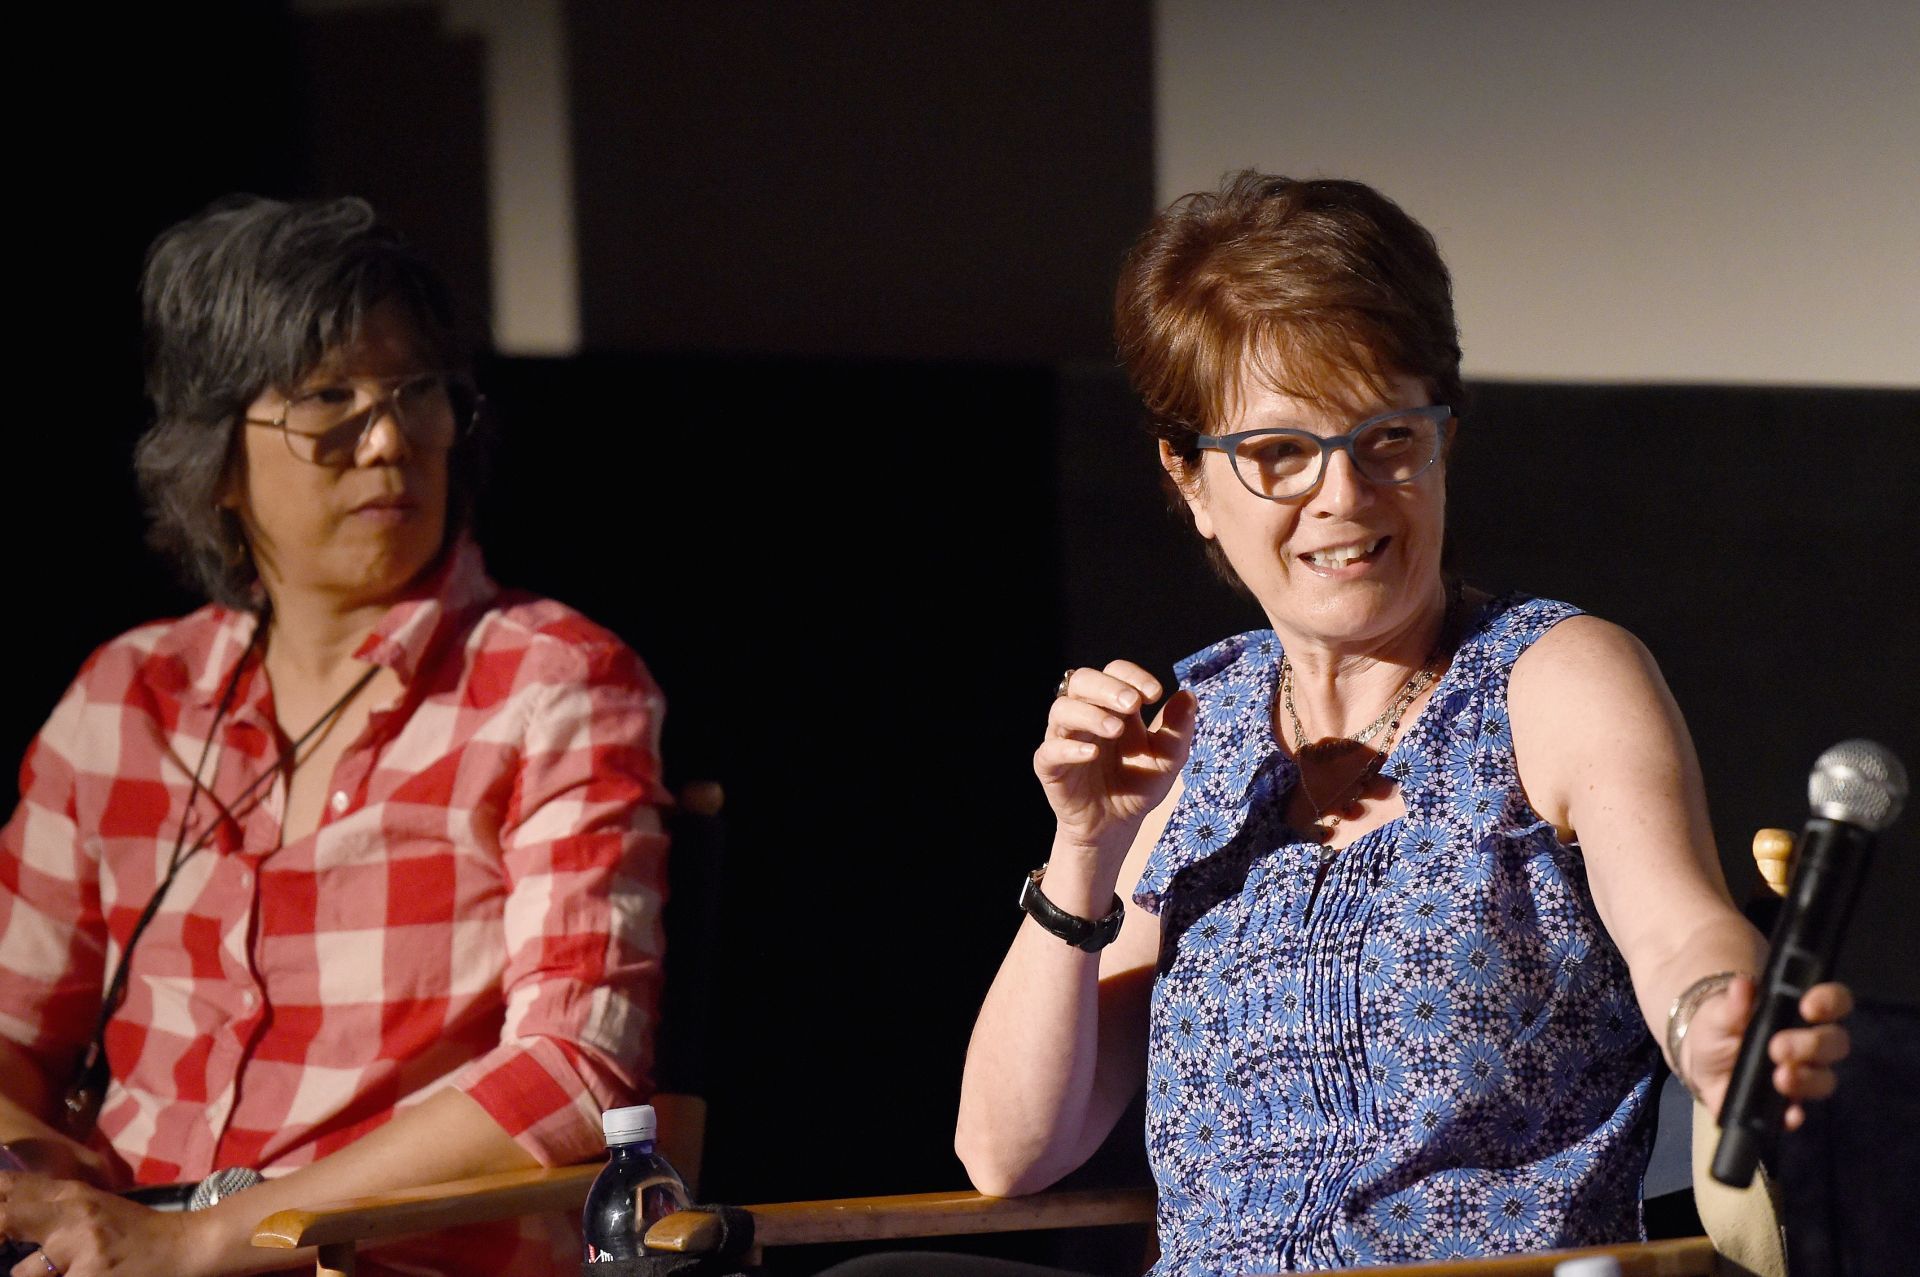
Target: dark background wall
{"points": [[821, 508], [896, 179], [848, 462]]}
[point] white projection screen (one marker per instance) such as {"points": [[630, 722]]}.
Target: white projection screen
{"points": [[1644, 191]]}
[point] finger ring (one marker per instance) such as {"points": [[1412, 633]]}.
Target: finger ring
{"points": [[49, 1263], [1060, 689]]}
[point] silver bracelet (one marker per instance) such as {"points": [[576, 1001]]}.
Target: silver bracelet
{"points": [[1680, 1017]]}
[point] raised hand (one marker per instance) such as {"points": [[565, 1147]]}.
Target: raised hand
{"points": [[1803, 1058], [1102, 766]]}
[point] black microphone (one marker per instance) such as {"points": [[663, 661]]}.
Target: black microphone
{"points": [[1857, 789]]}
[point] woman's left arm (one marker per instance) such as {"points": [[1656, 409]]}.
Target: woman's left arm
{"points": [[584, 851], [1604, 754]]}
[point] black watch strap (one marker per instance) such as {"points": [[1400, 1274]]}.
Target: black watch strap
{"points": [[1081, 933]]}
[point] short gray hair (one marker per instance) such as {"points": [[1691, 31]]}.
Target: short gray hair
{"points": [[248, 295]]}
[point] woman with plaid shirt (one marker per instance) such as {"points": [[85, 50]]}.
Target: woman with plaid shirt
{"points": [[397, 830]]}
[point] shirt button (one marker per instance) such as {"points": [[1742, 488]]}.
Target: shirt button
{"points": [[339, 801], [249, 999]]}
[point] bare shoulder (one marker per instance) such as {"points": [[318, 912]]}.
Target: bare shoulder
{"points": [[1587, 702], [1582, 657]]}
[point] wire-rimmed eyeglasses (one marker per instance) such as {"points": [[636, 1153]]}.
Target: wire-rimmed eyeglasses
{"points": [[327, 425], [1282, 464]]}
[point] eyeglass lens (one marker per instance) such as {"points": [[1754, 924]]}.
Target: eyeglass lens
{"points": [[326, 425], [1390, 450]]}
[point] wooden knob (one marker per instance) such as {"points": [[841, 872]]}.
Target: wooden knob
{"points": [[1773, 853], [702, 797]]}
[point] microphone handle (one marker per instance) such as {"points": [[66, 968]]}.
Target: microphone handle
{"points": [[161, 1197], [1830, 865]]}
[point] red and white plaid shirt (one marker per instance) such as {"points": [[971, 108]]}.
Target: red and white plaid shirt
{"points": [[479, 907]]}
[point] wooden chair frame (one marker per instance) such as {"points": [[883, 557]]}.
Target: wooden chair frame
{"points": [[952, 1214], [338, 1228]]}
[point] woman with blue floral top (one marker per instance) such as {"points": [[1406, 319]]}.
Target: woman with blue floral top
{"points": [[1419, 882]]}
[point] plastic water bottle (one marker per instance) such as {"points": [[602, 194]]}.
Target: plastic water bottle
{"points": [[636, 1188]]}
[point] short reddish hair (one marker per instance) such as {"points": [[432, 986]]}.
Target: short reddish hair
{"points": [[1319, 282]]}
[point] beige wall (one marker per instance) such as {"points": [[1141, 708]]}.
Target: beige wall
{"points": [[1636, 191]]}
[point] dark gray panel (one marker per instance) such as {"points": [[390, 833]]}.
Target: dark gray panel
{"points": [[886, 178]]}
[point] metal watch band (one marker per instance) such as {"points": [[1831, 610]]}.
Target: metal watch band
{"points": [[1082, 933]]}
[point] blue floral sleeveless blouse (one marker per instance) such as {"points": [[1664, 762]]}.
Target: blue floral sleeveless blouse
{"points": [[1442, 1057]]}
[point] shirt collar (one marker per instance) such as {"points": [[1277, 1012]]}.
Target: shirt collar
{"points": [[1236, 745], [1249, 749], [214, 659], [414, 627], [404, 640]]}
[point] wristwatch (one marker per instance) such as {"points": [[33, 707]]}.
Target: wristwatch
{"points": [[1082, 933]]}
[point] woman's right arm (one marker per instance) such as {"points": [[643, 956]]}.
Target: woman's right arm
{"points": [[1060, 1045], [51, 942]]}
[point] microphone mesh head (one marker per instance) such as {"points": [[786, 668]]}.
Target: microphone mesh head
{"points": [[222, 1184], [1858, 782]]}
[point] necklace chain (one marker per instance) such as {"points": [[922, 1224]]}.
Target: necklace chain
{"points": [[1389, 719]]}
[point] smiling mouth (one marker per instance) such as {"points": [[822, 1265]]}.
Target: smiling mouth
{"points": [[1339, 556]]}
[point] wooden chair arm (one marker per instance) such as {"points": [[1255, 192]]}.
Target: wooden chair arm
{"points": [[908, 1215], [1684, 1257], [428, 1209], [949, 1214]]}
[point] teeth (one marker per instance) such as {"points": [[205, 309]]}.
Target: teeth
{"points": [[1340, 556]]}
